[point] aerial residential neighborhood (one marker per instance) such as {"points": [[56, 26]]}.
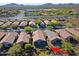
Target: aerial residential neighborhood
{"points": [[39, 30]]}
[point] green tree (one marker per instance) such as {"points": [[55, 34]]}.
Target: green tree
{"points": [[49, 27], [28, 29], [38, 21], [53, 23], [1, 45], [68, 25], [13, 26], [67, 46], [15, 50], [4, 27], [28, 46]]}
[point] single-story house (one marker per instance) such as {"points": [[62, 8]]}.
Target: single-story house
{"points": [[39, 39], [46, 22], [73, 32], [53, 38], [23, 38], [31, 23], [16, 23], [7, 24], [9, 39], [23, 24], [64, 34]]}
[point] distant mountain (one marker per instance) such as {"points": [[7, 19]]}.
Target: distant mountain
{"points": [[48, 4], [12, 5], [68, 5], [60, 5]]}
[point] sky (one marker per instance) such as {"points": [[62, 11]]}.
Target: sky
{"points": [[37, 1]]}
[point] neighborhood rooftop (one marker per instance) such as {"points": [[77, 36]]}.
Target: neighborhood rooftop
{"points": [[2, 34], [73, 31], [23, 37], [9, 38], [53, 37], [16, 23], [23, 23], [63, 33], [7, 23], [38, 34]]}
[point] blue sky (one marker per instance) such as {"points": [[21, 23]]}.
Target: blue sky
{"points": [[37, 1]]}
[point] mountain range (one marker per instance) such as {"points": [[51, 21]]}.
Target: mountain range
{"points": [[12, 5]]}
